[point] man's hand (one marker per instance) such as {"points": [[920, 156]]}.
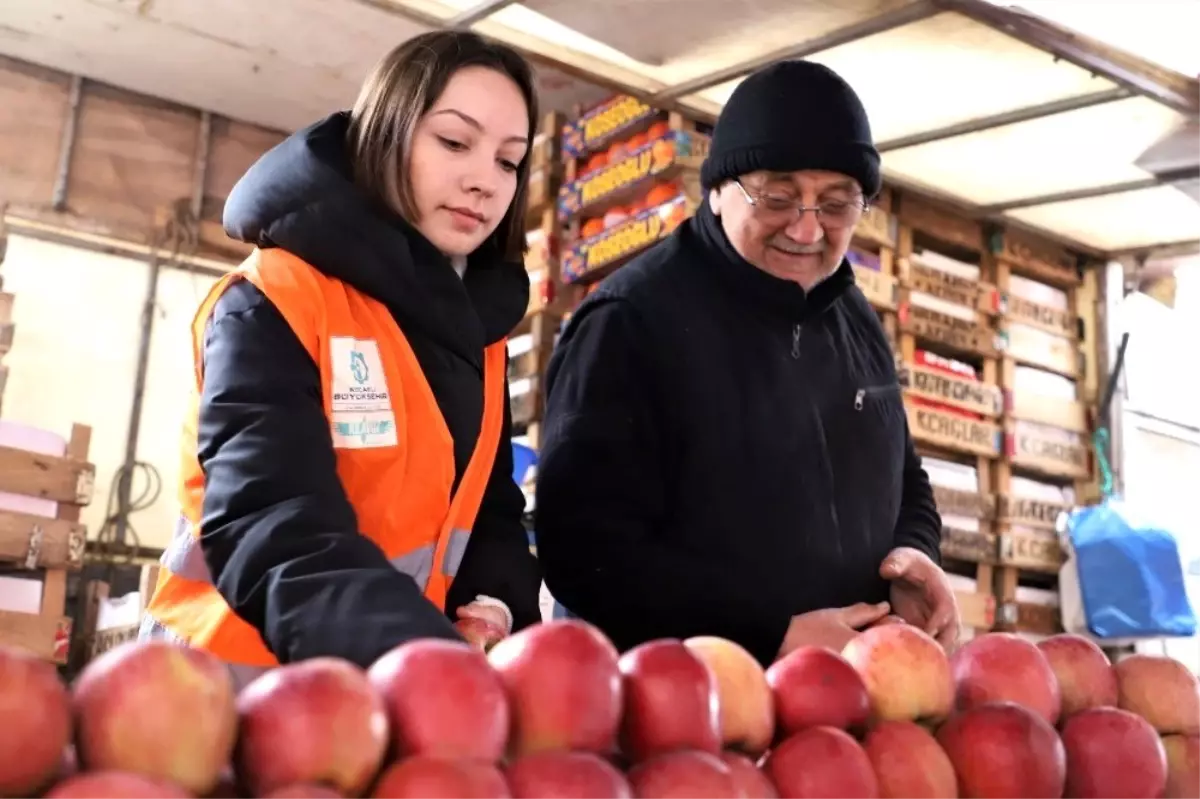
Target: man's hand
{"points": [[831, 628], [482, 625], [921, 594]]}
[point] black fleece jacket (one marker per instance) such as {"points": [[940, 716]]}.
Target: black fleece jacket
{"points": [[278, 533], [722, 451]]}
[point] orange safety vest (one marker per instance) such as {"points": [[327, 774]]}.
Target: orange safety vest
{"points": [[395, 456]]}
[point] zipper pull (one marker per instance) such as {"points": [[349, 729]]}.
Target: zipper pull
{"points": [[858, 399], [796, 341]]}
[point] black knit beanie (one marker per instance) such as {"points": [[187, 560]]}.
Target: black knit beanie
{"points": [[790, 116]]}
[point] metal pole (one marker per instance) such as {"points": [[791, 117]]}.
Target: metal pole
{"points": [[125, 485]]}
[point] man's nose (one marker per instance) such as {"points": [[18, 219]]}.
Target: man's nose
{"points": [[805, 228]]}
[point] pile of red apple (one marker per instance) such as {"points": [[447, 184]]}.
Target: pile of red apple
{"points": [[555, 711]]}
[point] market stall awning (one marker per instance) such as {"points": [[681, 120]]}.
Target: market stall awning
{"points": [[1009, 115]]}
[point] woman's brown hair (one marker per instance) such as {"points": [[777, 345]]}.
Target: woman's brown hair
{"points": [[403, 86]]}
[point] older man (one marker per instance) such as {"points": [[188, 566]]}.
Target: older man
{"points": [[725, 447]]}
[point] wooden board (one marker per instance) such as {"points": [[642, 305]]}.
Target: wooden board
{"points": [[1036, 347], [968, 545], [1027, 512], [1033, 550], [940, 222], [38, 542], [974, 294], [1039, 259], [1029, 617], [1053, 411], [1047, 450], [949, 331], [880, 290], [59, 479], [1043, 317], [968, 395], [976, 610], [877, 227], [131, 155], [35, 102], [944, 430], [47, 637], [964, 503]]}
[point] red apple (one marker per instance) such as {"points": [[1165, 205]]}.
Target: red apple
{"points": [[1004, 750], [909, 763], [683, 775], [821, 762], [744, 698], [115, 784], [905, 671], [317, 720], [748, 778], [1085, 677], [1183, 766], [443, 699], [565, 775], [563, 686], [425, 777], [162, 710], [1161, 690], [1112, 752], [36, 728], [816, 687], [1003, 667], [670, 701], [303, 790]]}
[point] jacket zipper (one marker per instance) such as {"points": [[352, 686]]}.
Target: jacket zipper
{"points": [[862, 393], [796, 330]]}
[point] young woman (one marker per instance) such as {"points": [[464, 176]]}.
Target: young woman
{"points": [[347, 475]]}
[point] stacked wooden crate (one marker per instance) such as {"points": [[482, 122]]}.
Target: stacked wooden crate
{"points": [[1047, 325], [994, 332], [530, 344], [44, 483]]}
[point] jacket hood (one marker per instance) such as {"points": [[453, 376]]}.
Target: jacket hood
{"points": [[300, 196]]}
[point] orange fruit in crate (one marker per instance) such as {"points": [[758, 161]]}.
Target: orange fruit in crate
{"points": [[657, 130], [615, 216], [661, 193], [636, 140], [597, 161], [591, 227]]}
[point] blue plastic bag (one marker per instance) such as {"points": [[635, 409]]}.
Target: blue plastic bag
{"points": [[1130, 574]]}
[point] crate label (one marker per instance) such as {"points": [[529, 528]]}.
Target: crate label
{"points": [[953, 432], [652, 158], [1053, 320], [1048, 449], [1026, 512], [953, 502], [878, 288], [1034, 550], [953, 288], [969, 395], [602, 123], [969, 546], [619, 241], [1040, 260], [1039, 348], [949, 330]]}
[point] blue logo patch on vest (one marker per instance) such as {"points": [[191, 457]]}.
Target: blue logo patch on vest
{"points": [[358, 367]]}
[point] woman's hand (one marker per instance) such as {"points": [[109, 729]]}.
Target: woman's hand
{"points": [[921, 594], [484, 622]]}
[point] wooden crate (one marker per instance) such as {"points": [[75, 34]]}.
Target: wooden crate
{"points": [[1047, 436], [44, 547], [97, 636]]}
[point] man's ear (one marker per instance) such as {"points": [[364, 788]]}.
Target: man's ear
{"points": [[714, 201]]}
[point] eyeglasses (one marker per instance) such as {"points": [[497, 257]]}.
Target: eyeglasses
{"points": [[831, 214]]}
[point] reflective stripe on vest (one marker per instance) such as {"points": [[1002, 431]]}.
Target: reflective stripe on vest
{"points": [[418, 521]]}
